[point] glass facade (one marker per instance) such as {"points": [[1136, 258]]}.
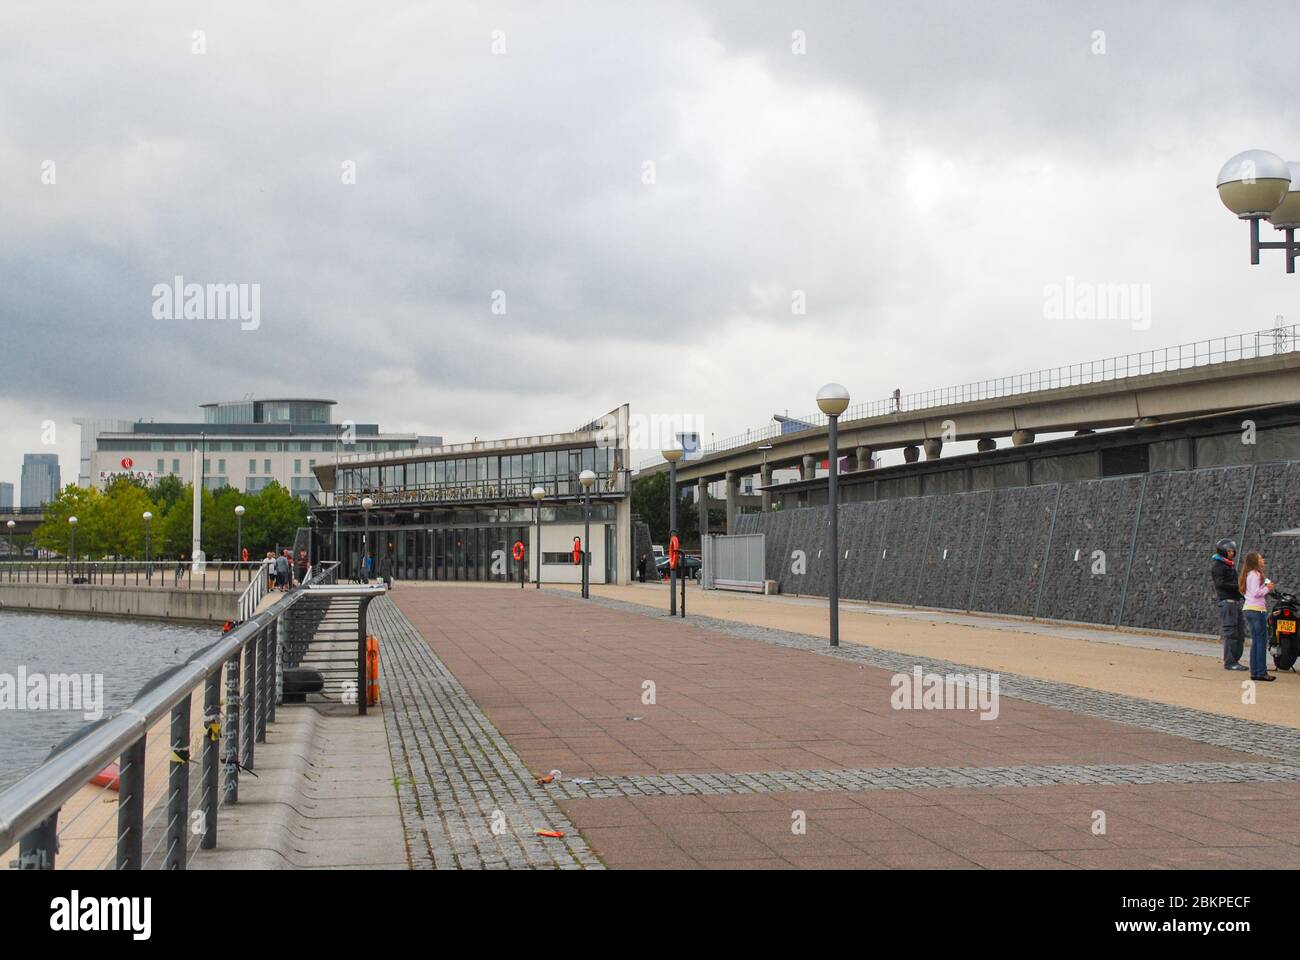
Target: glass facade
{"points": [[470, 544], [496, 477]]}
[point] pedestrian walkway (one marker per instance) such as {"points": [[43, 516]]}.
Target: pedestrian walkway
{"points": [[708, 743]]}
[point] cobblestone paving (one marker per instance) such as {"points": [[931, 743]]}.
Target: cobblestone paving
{"points": [[1263, 739], [456, 774], [911, 778]]}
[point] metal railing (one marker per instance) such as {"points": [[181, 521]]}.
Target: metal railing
{"points": [[172, 574], [227, 690], [1199, 353], [255, 591]]}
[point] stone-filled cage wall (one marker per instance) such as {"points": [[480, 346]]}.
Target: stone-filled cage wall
{"points": [[1122, 551]]}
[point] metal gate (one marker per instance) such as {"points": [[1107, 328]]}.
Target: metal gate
{"points": [[734, 563]]}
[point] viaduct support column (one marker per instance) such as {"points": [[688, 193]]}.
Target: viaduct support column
{"points": [[864, 458], [808, 468], [702, 485], [732, 483], [932, 447], [1021, 437], [765, 480]]}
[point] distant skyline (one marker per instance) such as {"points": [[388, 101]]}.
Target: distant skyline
{"points": [[497, 219]]}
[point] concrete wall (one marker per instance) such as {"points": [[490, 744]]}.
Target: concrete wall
{"points": [[1132, 551], [215, 606]]}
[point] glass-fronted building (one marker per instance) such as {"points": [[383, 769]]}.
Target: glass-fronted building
{"points": [[455, 512]]}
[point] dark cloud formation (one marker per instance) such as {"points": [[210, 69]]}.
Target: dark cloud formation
{"points": [[649, 188]]}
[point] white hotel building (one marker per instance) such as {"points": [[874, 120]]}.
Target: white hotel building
{"points": [[244, 444]]}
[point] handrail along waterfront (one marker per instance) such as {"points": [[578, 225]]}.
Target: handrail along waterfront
{"points": [[245, 661]]}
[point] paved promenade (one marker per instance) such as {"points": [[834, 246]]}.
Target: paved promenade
{"points": [[712, 743]]}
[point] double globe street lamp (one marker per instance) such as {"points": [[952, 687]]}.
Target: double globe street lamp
{"points": [[833, 400], [10, 524], [1257, 185]]}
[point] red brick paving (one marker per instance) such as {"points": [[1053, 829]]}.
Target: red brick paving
{"points": [[560, 680]]}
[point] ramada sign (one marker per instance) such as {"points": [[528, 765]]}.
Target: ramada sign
{"points": [[126, 471]]}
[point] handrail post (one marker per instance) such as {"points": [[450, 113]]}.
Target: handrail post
{"points": [[211, 746], [130, 807], [38, 847], [230, 733], [268, 669], [249, 729], [178, 787]]}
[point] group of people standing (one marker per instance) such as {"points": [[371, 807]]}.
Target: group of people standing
{"points": [[1241, 592], [284, 571]]}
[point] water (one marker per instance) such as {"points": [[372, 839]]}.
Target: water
{"points": [[126, 653]]}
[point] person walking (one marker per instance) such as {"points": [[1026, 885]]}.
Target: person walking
{"points": [[641, 568], [180, 567], [1227, 596], [1255, 587], [386, 569], [367, 566], [303, 567]]}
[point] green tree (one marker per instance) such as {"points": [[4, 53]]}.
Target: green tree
{"points": [[55, 533], [118, 518], [273, 519], [166, 492], [650, 502]]}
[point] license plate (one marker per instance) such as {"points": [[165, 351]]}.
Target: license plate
{"points": [[1286, 626]]}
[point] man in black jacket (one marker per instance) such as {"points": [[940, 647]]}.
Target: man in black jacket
{"points": [[1232, 621]]}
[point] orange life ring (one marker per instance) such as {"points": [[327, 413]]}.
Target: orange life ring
{"points": [[518, 551], [674, 552], [577, 550], [372, 670], [244, 554]]}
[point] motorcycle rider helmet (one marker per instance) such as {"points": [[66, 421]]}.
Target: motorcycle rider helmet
{"points": [[1224, 545]]}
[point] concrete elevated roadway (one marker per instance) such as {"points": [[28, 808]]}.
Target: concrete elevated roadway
{"points": [[1128, 401]]}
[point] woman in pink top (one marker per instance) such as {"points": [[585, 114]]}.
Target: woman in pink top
{"points": [[1255, 588]]}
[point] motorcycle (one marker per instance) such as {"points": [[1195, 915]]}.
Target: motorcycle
{"points": [[1283, 641]]}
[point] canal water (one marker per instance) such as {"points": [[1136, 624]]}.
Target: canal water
{"points": [[121, 654]]}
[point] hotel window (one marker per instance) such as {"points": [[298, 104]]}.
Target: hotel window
{"points": [[207, 465], [160, 466], [176, 466], [297, 466], [252, 466], [221, 467], [266, 466]]}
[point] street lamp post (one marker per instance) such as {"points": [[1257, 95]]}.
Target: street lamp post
{"points": [[239, 532], [367, 505], [148, 552], [586, 478], [1257, 185], [11, 526], [539, 494], [672, 455], [833, 400], [72, 546]]}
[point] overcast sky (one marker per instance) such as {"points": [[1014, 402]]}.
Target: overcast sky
{"points": [[652, 188]]}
